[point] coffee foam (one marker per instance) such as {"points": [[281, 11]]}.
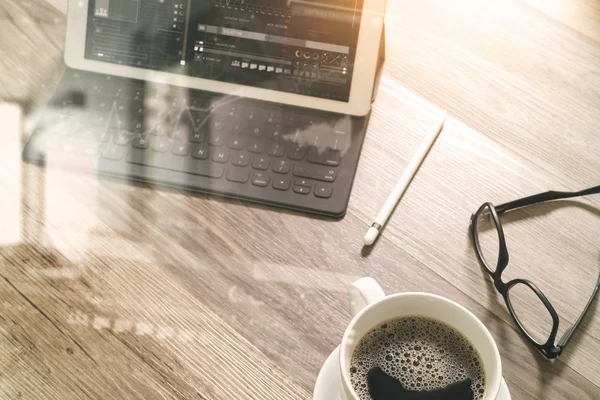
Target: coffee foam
{"points": [[422, 353]]}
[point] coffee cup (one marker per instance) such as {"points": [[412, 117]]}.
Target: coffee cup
{"points": [[370, 307]]}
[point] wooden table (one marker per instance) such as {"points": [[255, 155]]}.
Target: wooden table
{"points": [[114, 291]]}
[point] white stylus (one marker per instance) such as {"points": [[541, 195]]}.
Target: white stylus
{"points": [[403, 183]]}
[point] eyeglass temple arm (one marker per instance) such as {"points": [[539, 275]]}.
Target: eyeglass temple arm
{"points": [[564, 340], [546, 196]]}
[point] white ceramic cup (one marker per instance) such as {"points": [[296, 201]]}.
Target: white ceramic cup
{"points": [[370, 307]]}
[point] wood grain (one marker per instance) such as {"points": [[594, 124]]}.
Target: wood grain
{"points": [[580, 15], [118, 290]]}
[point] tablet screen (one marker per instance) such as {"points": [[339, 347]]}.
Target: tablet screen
{"points": [[296, 46]]}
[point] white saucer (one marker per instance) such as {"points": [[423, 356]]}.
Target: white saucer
{"points": [[328, 387]]}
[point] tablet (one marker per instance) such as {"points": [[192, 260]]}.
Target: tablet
{"points": [[316, 54]]}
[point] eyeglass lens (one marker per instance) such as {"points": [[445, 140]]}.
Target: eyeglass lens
{"points": [[531, 312], [488, 238]]}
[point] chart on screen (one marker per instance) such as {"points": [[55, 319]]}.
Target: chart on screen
{"points": [[124, 10]]}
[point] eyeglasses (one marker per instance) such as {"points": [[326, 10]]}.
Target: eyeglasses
{"points": [[528, 306]]}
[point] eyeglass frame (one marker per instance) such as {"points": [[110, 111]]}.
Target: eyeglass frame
{"points": [[550, 349]]}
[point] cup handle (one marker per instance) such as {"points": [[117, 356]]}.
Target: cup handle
{"points": [[362, 293]]}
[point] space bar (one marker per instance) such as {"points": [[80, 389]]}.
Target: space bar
{"points": [[171, 162]]}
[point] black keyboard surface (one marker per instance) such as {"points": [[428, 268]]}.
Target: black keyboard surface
{"points": [[267, 153]]}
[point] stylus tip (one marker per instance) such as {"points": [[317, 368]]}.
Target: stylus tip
{"points": [[371, 235]]}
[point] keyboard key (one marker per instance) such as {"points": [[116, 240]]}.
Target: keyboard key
{"points": [[79, 147], [126, 124], [98, 88], [301, 189], [120, 93], [181, 148], [99, 119], [113, 152], [197, 136], [68, 148], [103, 136], [343, 126], [292, 119], [296, 153], [320, 174], [162, 144], [256, 147], [302, 182], [255, 131], [275, 133], [129, 109], [216, 139], [180, 132], [220, 156], [273, 117], [261, 163], [175, 103], [198, 118], [275, 149], [182, 164], [117, 123], [340, 144], [141, 142], [78, 130], [137, 110], [160, 130], [199, 102], [237, 129], [241, 159], [74, 82], [60, 122], [162, 115], [136, 126], [136, 94], [90, 148], [315, 122], [100, 103], [123, 138], [218, 124], [186, 126], [109, 85], [235, 143], [230, 110], [200, 151], [251, 115], [323, 191], [327, 157], [68, 107], [281, 166], [240, 175], [248, 115], [281, 183], [260, 179], [124, 107]]}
